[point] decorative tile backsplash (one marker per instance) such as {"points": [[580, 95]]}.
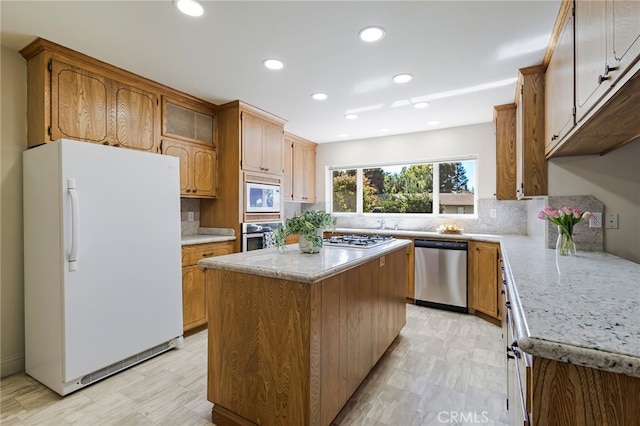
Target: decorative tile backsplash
{"points": [[586, 239], [189, 205], [510, 218]]}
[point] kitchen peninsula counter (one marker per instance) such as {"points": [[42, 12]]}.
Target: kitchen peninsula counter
{"points": [[292, 335], [583, 310]]}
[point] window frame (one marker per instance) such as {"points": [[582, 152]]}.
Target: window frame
{"points": [[436, 189]]}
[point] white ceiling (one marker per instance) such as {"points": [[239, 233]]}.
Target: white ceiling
{"points": [[452, 48]]}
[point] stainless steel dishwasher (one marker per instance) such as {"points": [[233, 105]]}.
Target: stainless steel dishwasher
{"points": [[441, 274]]}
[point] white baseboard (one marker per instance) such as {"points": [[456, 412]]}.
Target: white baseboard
{"points": [[11, 365]]}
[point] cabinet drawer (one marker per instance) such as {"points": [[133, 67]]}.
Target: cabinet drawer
{"points": [[191, 254]]}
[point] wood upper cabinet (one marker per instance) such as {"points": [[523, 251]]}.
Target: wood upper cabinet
{"points": [[198, 168], [485, 278], [188, 121], [89, 107], [299, 169], [531, 164], [504, 117], [559, 85], [74, 96], [607, 42], [194, 309], [605, 75], [623, 32], [80, 104], [262, 149], [591, 55]]}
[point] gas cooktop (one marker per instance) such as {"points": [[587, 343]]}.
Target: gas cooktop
{"points": [[358, 241]]}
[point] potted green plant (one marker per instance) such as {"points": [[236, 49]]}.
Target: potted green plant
{"points": [[309, 225]]}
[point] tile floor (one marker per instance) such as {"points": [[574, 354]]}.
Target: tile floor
{"points": [[443, 369]]}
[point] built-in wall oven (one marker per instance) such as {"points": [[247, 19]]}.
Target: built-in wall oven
{"points": [[256, 236]]}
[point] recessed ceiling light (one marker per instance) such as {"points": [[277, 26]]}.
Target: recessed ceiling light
{"points": [[273, 64], [371, 34], [343, 135], [190, 7], [319, 96], [402, 78], [421, 104], [350, 116], [384, 130], [433, 123]]}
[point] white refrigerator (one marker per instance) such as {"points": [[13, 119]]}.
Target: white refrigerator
{"points": [[102, 257]]}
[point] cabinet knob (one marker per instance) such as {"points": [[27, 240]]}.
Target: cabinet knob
{"points": [[554, 137], [116, 144], [105, 143], [602, 78], [188, 190], [195, 190], [608, 69]]}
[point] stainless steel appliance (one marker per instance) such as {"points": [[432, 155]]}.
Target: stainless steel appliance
{"points": [[441, 274], [358, 241], [262, 198], [256, 236]]}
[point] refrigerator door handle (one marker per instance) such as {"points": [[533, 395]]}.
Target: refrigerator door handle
{"points": [[75, 217]]}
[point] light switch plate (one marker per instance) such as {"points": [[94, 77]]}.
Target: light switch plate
{"points": [[191, 216], [493, 213], [596, 220], [612, 221]]}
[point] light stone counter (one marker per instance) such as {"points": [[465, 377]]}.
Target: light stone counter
{"points": [[209, 235], [584, 310], [296, 266], [400, 233]]}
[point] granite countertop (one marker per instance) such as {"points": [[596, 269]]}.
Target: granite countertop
{"points": [[296, 266], [583, 309], [400, 233], [209, 235]]}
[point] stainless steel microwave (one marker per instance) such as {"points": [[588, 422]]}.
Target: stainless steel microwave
{"points": [[262, 198]]}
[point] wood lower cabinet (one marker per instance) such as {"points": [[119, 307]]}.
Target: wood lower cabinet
{"points": [[285, 352], [198, 168], [485, 279], [194, 310]]}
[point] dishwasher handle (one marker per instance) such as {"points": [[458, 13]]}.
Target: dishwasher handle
{"points": [[442, 245]]}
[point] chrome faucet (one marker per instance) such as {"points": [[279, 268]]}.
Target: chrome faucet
{"points": [[381, 223]]}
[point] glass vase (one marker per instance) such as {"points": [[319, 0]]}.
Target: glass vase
{"points": [[565, 246]]}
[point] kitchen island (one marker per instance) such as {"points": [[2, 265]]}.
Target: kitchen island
{"points": [[292, 335]]}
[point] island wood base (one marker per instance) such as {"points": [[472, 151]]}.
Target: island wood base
{"points": [[282, 352]]}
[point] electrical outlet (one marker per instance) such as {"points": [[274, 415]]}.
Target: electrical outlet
{"points": [[612, 221], [493, 213], [596, 220], [191, 216]]}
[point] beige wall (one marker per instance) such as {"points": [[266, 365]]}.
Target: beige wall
{"points": [[13, 133], [614, 179], [475, 139]]}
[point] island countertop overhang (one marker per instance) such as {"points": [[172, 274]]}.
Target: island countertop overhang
{"points": [[293, 265]]}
